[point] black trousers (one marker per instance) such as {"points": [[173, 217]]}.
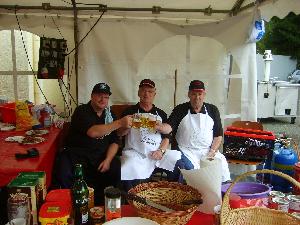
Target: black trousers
{"points": [[94, 178]]}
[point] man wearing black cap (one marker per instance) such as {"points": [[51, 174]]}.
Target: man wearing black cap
{"points": [[145, 147], [92, 141], [197, 128]]}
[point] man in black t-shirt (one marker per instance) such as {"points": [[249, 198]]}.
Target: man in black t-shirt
{"points": [[92, 141], [197, 128], [146, 147]]}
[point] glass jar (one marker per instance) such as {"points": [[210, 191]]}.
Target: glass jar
{"points": [[112, 203], [18, 208]]}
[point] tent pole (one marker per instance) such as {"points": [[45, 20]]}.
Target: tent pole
{"points": [[76, 45], [175, 89]]}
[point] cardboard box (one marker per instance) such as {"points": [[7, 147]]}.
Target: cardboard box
{"points": [[42, 188], [29, 187]]}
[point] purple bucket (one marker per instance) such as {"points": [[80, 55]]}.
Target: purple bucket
{"points": [[248, 190]]}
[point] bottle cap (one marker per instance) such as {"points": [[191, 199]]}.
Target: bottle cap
{"points": [[112, 192]]}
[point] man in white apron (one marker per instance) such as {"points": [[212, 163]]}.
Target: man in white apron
{"points": [[198, 129], [145, 146]]}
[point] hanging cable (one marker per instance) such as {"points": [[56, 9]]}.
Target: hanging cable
{"points": [[27, 56], [69, 93], [28, 60], [57, 27], [64, 96], [87, 33], [44, 25], [68, 89]]}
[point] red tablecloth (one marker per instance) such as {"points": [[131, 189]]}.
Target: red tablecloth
{"points": [[10, 166], [197, 219]]}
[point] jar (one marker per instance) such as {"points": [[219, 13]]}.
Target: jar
{"points": [[91, 197], [18, 207], [97, 215], [112, 203], [296, 190]]}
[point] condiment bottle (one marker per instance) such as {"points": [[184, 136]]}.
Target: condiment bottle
{"points": [[112, 203]]}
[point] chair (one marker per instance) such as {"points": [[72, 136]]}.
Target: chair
{"points": [[119, 109], [248, 125]]}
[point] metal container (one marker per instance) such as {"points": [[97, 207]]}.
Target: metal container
{"points": [[294, 201], [297, 215], [274, 194], [296, 190], [279, 204]]}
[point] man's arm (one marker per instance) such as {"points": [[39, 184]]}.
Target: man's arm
{"points": [[97, 131], [214, 148], [163, 128], [111, 152], [123, 131]]}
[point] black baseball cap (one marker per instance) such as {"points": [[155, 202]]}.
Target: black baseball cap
{"points": [[196, 85], [147, 82], [101, 88]]}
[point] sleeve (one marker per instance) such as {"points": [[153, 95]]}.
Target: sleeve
{"points": [[175, 118], [113, 137], [80, 121], [164, 118], [217, 129]]}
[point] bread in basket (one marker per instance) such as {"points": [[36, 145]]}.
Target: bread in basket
{"points": [[169, 194]]}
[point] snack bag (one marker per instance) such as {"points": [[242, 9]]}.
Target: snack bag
{"points": [[23, 117]]}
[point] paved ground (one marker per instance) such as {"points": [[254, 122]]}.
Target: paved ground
{"points": [[283, 126]]}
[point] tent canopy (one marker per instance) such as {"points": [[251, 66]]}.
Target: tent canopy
{"points": [[137, 39], [192, 10]]}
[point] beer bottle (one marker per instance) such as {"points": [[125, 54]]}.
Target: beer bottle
{"points": [[80, 195]]}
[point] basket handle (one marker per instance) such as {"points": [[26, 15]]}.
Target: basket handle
{"points": [[226, 206]]}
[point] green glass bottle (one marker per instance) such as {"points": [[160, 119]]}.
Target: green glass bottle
{"points": [[80, 195]]}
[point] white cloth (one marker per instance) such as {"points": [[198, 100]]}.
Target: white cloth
{"points": [[136, 162], [207, 180], [195, 136]]}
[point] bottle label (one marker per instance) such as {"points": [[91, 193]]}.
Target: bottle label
{"points": [[84, 218]]}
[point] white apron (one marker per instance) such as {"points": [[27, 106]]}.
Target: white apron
{"points": [[195, 136], [135, 160]]}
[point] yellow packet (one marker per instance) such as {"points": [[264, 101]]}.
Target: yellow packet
{"points": [[23, 117]]}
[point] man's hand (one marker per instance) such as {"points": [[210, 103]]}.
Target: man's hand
{"points": [[212, 153], [158, 126], [126, 121], [104, 166], [162, 128], [157, 155]]}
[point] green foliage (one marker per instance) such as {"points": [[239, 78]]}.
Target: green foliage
{"points": [[282, 37]]}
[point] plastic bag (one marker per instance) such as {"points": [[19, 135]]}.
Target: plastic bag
{"points": [[23, 117], [257, 28], [108, 116]]}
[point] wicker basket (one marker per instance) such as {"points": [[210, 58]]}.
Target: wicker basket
{"points": [[170, 194], [256, 215]]}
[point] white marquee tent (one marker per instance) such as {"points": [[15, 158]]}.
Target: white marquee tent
{"points": [[137, 39]]}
